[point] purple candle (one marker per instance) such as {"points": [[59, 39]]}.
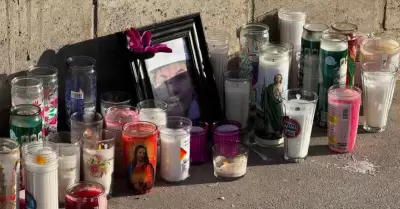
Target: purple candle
{"points": [[226, 132], [198, 141]]}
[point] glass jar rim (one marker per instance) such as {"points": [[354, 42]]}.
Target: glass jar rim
{"points": [[51, 157], [185, 122], [153, 130], [255, 28], [49, 71], [7, 141], [394, 42], [216, 124], [64, 133], [14, 110], [311, 93], [236, 76], [357, 91], [393, 69], [97, 118], [81, 62], [109, 139], [70, 188], [316, 27], [334, 37], [116, 108], [244, 148], [288, 14], [347, 28], [156, 103], [201, 124], [37, 83], [126, 95]]}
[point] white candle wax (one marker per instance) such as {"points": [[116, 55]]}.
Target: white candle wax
{"points": [[9, 179], [379, 92], [42, 179], [67, 168], [303, 114], [175, 153], [156, 116], [227, 127], [99, 166], [267, 71], [237, 99], [230, 167]]}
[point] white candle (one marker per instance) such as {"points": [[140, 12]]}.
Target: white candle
{"points": [[157, 116], [378, 98], [175, 154], [68, 164], [237, 100], [291, 26], [299, 125], [99, 166], [230, 167], [41, 177]]}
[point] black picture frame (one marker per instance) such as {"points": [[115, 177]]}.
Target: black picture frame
{"points": [[190, 28]]}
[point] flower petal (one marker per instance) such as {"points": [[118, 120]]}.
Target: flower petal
{"points": [[159, 45], [150, 49], [137, 48], [146, 38], [133, 35], [163, 49]]}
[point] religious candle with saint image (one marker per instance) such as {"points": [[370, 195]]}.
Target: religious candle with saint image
{"points": [[140, 155]]}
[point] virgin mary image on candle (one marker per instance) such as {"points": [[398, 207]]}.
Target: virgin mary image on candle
{"points": [[171, 81], [271, 104], [141, 171]]}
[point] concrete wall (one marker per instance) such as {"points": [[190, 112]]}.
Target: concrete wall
{"points": [[34, 31]]}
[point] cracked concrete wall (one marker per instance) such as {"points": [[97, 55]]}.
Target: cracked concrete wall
{"points": [[33, 31]]}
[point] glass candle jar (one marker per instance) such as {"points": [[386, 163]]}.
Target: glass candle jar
{"points": [[380, 49], [114, 98], [69, 160], [343, 114], [9, 173], [41, 162], [252, 37], [198, 142], [88, 122], [48, 76], [140, 155], [272, 81], [98, 158], [226, 131], [378, 84], [80, 86], [237, 97], [218, 48], [25, 123], [332, 70], [230, 165], [349, 30], [153, 111], [175, 149], [115, 118], [85, 195]]}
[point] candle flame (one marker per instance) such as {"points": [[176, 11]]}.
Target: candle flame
{"points": [[100, 148], [40, 159], [226, 163]]}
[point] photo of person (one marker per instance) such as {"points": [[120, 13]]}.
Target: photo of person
{"points": [[141, 171], [171, 81]]}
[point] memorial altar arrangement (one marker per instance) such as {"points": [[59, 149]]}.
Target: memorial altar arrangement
{"points": [[187, 97]]}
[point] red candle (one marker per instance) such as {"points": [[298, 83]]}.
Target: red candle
{"points": [[86, 195]]}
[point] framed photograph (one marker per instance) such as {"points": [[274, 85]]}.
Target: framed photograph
{"points": [[184, 78]]}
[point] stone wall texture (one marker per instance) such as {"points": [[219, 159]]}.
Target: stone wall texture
{"points": [[34, 31]]}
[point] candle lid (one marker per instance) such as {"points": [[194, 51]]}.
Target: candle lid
{"points": [[345, 28]]}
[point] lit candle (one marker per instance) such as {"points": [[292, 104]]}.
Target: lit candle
{"points": [[234, 167], [67, 167], [41, 163], [175, 149], [237, 97], [99, 165]]}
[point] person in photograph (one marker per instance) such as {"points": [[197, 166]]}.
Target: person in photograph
{"points": [[141, 171]]}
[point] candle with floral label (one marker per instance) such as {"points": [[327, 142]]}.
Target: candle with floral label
{"points": [[41, 163], [98, 158], [9, 173]]}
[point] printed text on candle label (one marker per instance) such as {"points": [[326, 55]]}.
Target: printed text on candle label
{"points": [[291, 128]]}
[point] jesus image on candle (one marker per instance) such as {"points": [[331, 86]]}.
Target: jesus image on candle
{"points": [[141, 171], [271, 103]]}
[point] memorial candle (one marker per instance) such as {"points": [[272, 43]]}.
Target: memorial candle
{"points": [[230, 165], [86, 195]]}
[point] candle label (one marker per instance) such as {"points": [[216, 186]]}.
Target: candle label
{"points": [[26, 134], [98, 166], [50, 109], [291, 128], [309, 64], [339, 125], [332, 70], [9, 180], [140, 156], [352, 43]]}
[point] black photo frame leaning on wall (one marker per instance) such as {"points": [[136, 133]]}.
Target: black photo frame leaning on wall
{"points": [[184, 78]]}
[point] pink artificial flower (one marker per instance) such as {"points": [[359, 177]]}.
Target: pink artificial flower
{"points": [[142, 44]]}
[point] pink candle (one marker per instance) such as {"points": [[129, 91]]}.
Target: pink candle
{"points": [[343, 114], [116, 117]]}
